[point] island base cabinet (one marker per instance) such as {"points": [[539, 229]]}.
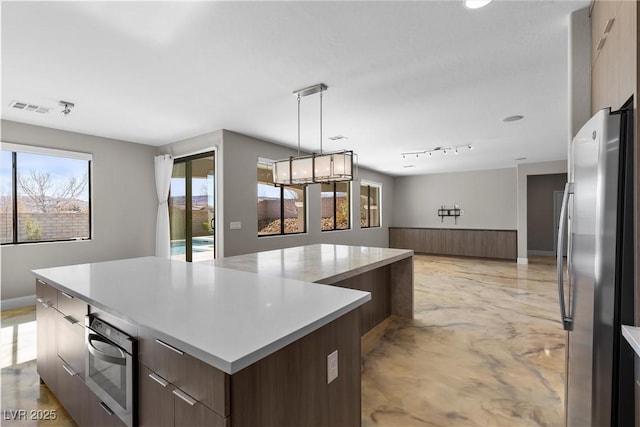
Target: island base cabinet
{"points": [[72, 392], [155, 400], [47, 350], [95, 415], [162, 404], [290, 387], [195, 414]]}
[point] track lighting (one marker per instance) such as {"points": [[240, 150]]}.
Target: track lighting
{"points": [[445, 150]]}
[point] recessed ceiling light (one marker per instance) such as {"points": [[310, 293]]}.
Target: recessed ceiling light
{"points": [[476, 4], [513, 118]]}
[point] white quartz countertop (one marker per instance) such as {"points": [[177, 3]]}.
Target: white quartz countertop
{"points": [[227, 318], [632, 335], [323, 263]]}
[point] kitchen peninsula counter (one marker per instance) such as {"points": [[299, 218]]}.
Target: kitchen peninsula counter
{"points": [[386, 273], [226, 318], [215, 346]]}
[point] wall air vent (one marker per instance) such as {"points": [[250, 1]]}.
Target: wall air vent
{"points": [[29, 107]]}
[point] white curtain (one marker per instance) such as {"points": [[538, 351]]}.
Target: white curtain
{"points": [[164, 168]]}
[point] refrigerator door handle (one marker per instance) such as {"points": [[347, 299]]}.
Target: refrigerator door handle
{"points": [[567, 321]]}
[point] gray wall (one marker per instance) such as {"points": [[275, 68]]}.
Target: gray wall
{"points": [[540, 199], [487, 197], [237, 157], [124, 205]]}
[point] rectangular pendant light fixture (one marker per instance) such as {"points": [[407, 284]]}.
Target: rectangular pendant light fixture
{"points": [[317, 167]]}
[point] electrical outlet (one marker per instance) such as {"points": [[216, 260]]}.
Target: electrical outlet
{"points": [[332, 366]]}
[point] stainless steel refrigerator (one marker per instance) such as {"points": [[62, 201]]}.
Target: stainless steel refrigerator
{"points": [[596, 286]]}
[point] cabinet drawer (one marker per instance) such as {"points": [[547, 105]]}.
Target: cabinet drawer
{"points": [[155, 400], [189, 413], [203, 382], [72, 391], [72, 306], [46, 293], [71, 346]]}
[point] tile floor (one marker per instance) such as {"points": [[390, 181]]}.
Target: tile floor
{"points": [[485, 349]]}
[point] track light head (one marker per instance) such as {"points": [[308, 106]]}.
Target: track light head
{"points": [[67, 106]]}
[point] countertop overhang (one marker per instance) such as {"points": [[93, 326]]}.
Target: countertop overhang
{"points": [[319, 263], [227, 318]]}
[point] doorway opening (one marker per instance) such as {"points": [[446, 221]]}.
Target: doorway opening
{"points": [[192, 208]]}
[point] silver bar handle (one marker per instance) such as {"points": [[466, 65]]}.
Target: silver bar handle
{"points": [[567, 322], [159, 379], [184, 396], [106, 409], [70, 371], [70, 319], [170, 347], [67, 295]]}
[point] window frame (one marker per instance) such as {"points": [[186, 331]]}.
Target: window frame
{"points": [[377, 185], [14, 149], [305, 198], [335, 206]]}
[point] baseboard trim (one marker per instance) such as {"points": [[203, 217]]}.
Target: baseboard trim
{"points": [[542, 253], [11, 303], [523, 260]]}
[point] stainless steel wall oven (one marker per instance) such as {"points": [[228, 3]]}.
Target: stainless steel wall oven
{"points": [[110, 368]]}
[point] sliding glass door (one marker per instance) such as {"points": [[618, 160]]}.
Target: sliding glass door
{"points": [[192, 208]]}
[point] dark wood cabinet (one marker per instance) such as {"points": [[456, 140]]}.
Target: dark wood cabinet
{"points": [[155, 399], [501, 244], [194, 414], [72, 392], [97, 414], [46, 319], [72, 307], [199, 380], [71, 346], [162, 404]]}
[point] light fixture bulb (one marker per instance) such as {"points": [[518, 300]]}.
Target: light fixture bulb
{"points": [[476, 4]]}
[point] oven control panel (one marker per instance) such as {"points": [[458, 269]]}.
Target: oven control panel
{"points": [[115, 335]]}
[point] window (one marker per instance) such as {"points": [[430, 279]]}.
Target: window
{"points": [[281, 209], [370, 205], [336, 206], [45, 195]]}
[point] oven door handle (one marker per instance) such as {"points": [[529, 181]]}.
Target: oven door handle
{"points": [[102, 355]]}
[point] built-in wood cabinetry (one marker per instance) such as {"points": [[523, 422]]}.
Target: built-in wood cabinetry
{"points": [[614, 37], [60, 355], [501, 244], [196, 393], [287, 387], [378, 282], [46, 316]]}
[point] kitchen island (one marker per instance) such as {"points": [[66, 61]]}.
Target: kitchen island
{"points": [[216, 346], [386, 273]]}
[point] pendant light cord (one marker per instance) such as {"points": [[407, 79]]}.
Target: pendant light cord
{"points": [[321, 120], [298, 124]]}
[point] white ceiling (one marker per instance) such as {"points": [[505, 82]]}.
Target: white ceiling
{"points": [[402, 76]]}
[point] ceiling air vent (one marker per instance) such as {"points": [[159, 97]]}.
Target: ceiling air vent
{"points": [[29, 107]]}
